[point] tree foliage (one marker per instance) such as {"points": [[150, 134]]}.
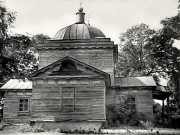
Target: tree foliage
{"points": [[144, 51], [162, 49], [122, 112], [161, 46], [134, 59], [18, 56], [22, 57], [7, 19], [39, 39]]}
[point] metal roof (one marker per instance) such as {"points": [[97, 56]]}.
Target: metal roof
{"points": [[118, 81], [79, 31], [162, 88], [17, 84], [161, 93], [134, 81]]}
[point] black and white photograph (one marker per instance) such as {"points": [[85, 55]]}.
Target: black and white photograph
{"points": [[109, 67]]}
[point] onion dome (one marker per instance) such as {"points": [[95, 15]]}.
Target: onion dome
{"points": [[79, 30]]}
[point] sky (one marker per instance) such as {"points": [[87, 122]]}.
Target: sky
{"points": [[112, 17]]}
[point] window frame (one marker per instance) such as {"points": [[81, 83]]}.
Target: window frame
{"points": [[74, 99], [134, 101], [28, 107]]}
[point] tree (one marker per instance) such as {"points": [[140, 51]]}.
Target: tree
{"points": [[162, 49], [134, 59], [166, 55], [7, 18], [18, 57], [23, 58], [39, 39]]}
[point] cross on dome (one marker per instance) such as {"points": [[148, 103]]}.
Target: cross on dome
{"points": [[81, 3], [81, 8], [79, 30], [88, 19]]}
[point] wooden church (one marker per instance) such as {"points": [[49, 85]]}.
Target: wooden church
{"points": [[75, 82]]}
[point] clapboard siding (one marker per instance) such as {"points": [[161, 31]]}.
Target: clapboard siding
{"points": [[11, 112], [143, 99], [89, 101], [83, 55]]}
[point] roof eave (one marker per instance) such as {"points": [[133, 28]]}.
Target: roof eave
{"points": [[132, 87]]}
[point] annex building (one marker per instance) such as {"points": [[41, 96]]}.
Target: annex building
{"points": [[76, 81]]}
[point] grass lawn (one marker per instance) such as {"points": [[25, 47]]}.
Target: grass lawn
{"points": [[26, 129]]}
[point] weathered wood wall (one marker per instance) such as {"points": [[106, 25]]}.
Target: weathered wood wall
{"points": [[89, 99], [143, 99], [11, 112], [106, 64]]}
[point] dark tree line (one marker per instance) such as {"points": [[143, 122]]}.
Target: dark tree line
{"points": [[18, 56], [144, 52]]}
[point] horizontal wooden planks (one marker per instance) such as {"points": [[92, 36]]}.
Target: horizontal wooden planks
{"points": [[82, 55], [143, 98], [11, 108], [89, 102]]}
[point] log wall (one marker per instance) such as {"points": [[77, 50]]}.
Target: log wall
{"points": [[105, 56], [11, 112], [89, 101], [143, 99]]}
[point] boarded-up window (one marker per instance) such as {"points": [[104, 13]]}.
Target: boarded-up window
{"points": [[23, 105], [68, 99]]}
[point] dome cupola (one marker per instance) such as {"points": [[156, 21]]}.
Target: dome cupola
{"points": [[79, 30]]}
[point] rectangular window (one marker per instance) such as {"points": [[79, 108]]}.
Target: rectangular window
{"points": [[68, 99], [23, 105], [131, 101]]}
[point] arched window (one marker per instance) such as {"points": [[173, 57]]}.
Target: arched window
{"points": [[68, 66]]}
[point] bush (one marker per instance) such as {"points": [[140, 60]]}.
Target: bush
{"points": [[28, 128], [158, 118], [122, 112], [147, 124], [174, 119]]}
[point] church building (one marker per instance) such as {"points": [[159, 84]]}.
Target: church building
{"points": [[75, 82]]}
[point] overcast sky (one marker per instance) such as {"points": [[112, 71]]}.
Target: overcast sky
{"points": [[112, 17]]}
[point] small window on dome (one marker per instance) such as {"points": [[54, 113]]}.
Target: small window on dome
{"points": [[68, 66]]}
